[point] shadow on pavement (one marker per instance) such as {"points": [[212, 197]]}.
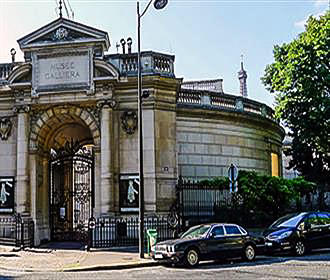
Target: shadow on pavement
{"points": [[7, 277], [131, 249], [314, 256], [67, 245], [9, 255]]}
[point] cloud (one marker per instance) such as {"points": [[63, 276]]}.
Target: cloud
{"points": [[319, 3], [301, 24]]}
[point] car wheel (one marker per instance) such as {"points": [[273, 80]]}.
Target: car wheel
{"points": [[299, 248], [192, 257], [249, 253]]}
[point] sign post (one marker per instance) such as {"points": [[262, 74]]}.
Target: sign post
{"points": [[232, 175]]}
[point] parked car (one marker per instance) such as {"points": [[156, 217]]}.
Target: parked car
{"points": [[299, 233], [207, 242]]}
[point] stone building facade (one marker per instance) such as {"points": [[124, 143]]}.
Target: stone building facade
{"points": [[68, 125]]}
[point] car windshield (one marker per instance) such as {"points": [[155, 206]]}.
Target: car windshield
{"points": [[291, 220], [197, 231]]}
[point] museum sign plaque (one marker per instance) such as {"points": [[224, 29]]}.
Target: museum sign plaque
{"points": [[70, 70]]}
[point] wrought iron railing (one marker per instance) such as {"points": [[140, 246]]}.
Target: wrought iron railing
{"points": [[211, 100], [119, 231], [17, 231], [197, 203], [151, 63]]}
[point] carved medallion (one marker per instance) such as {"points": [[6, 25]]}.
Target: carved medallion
{"points": [[5, 128], [61, 34], [129, 121]]}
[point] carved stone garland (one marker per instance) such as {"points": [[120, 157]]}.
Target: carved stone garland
{"points": [[5, 128], [129, 121]]}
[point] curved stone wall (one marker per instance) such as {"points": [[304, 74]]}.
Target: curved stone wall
{"points": [[209, 140]]}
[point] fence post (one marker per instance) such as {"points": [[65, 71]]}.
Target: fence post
{"points": [[18, 234], [22, 235], [17, 224], [91, 227]]}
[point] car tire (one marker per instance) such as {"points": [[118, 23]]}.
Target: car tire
{"points": [[192, 257], [299, 248], [249, 253]]}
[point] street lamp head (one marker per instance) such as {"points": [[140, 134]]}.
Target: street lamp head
{"points": [[160, 4]]}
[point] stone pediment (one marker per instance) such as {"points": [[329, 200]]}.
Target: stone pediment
{"points": [[64, 32]]}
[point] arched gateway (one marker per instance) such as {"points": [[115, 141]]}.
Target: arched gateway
{"points": [[67, 136], [71, 191]]}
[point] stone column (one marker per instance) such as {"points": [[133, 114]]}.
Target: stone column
{"points": [[22, 176], [106, 192]]}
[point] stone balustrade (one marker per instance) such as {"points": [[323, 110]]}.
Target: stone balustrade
{"points": [[211, 100], [151, 63], [5, 69], [127, 64], [209, 85]]}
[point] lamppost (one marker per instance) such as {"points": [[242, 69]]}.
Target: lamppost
{"points": [[158, 4]]}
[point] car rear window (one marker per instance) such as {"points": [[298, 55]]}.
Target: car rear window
{"points": [[232, 230], [324, 219]]}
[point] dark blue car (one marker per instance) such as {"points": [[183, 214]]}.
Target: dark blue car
{"points": [[299, 233]]}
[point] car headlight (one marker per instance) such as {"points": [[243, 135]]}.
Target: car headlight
{"points": [[281, 236], [285, 235]]}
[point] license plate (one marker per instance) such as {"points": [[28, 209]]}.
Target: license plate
{"points": [[269, 244], [158, 256]]}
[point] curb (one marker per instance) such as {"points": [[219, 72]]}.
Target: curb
{"points": [[111, 266], [96, 267]]}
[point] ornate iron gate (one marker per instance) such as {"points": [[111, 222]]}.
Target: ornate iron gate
{"points": [[71, 192]]}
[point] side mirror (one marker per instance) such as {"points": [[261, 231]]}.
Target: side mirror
{"points": [[308, 226], [212, 235]]}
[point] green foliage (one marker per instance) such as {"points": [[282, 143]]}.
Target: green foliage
{"points": [[300, 79], [272, 195], [262, 198], [219, 182]]}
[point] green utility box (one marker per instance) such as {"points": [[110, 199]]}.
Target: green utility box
{"points": [[152, 238]]}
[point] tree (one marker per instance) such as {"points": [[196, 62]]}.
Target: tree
{"points": [[300, 79]]}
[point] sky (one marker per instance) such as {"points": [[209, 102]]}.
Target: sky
{"points": [[207, 37]]}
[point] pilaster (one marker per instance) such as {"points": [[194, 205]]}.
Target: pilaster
{"points": [[22, 176], [106, 184]]}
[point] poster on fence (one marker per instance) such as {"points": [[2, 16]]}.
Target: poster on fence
{"points": [[129, 193], [7, 198]]}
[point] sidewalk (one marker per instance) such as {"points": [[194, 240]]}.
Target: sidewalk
{"points": [[36, 259]]}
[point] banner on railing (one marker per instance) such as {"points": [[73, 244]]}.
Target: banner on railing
{"points": [[7, 194]]}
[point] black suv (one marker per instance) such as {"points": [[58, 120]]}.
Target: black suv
{"points": [[299, 233]]}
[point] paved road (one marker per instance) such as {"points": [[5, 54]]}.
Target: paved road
{"points": [[314, 266]]}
